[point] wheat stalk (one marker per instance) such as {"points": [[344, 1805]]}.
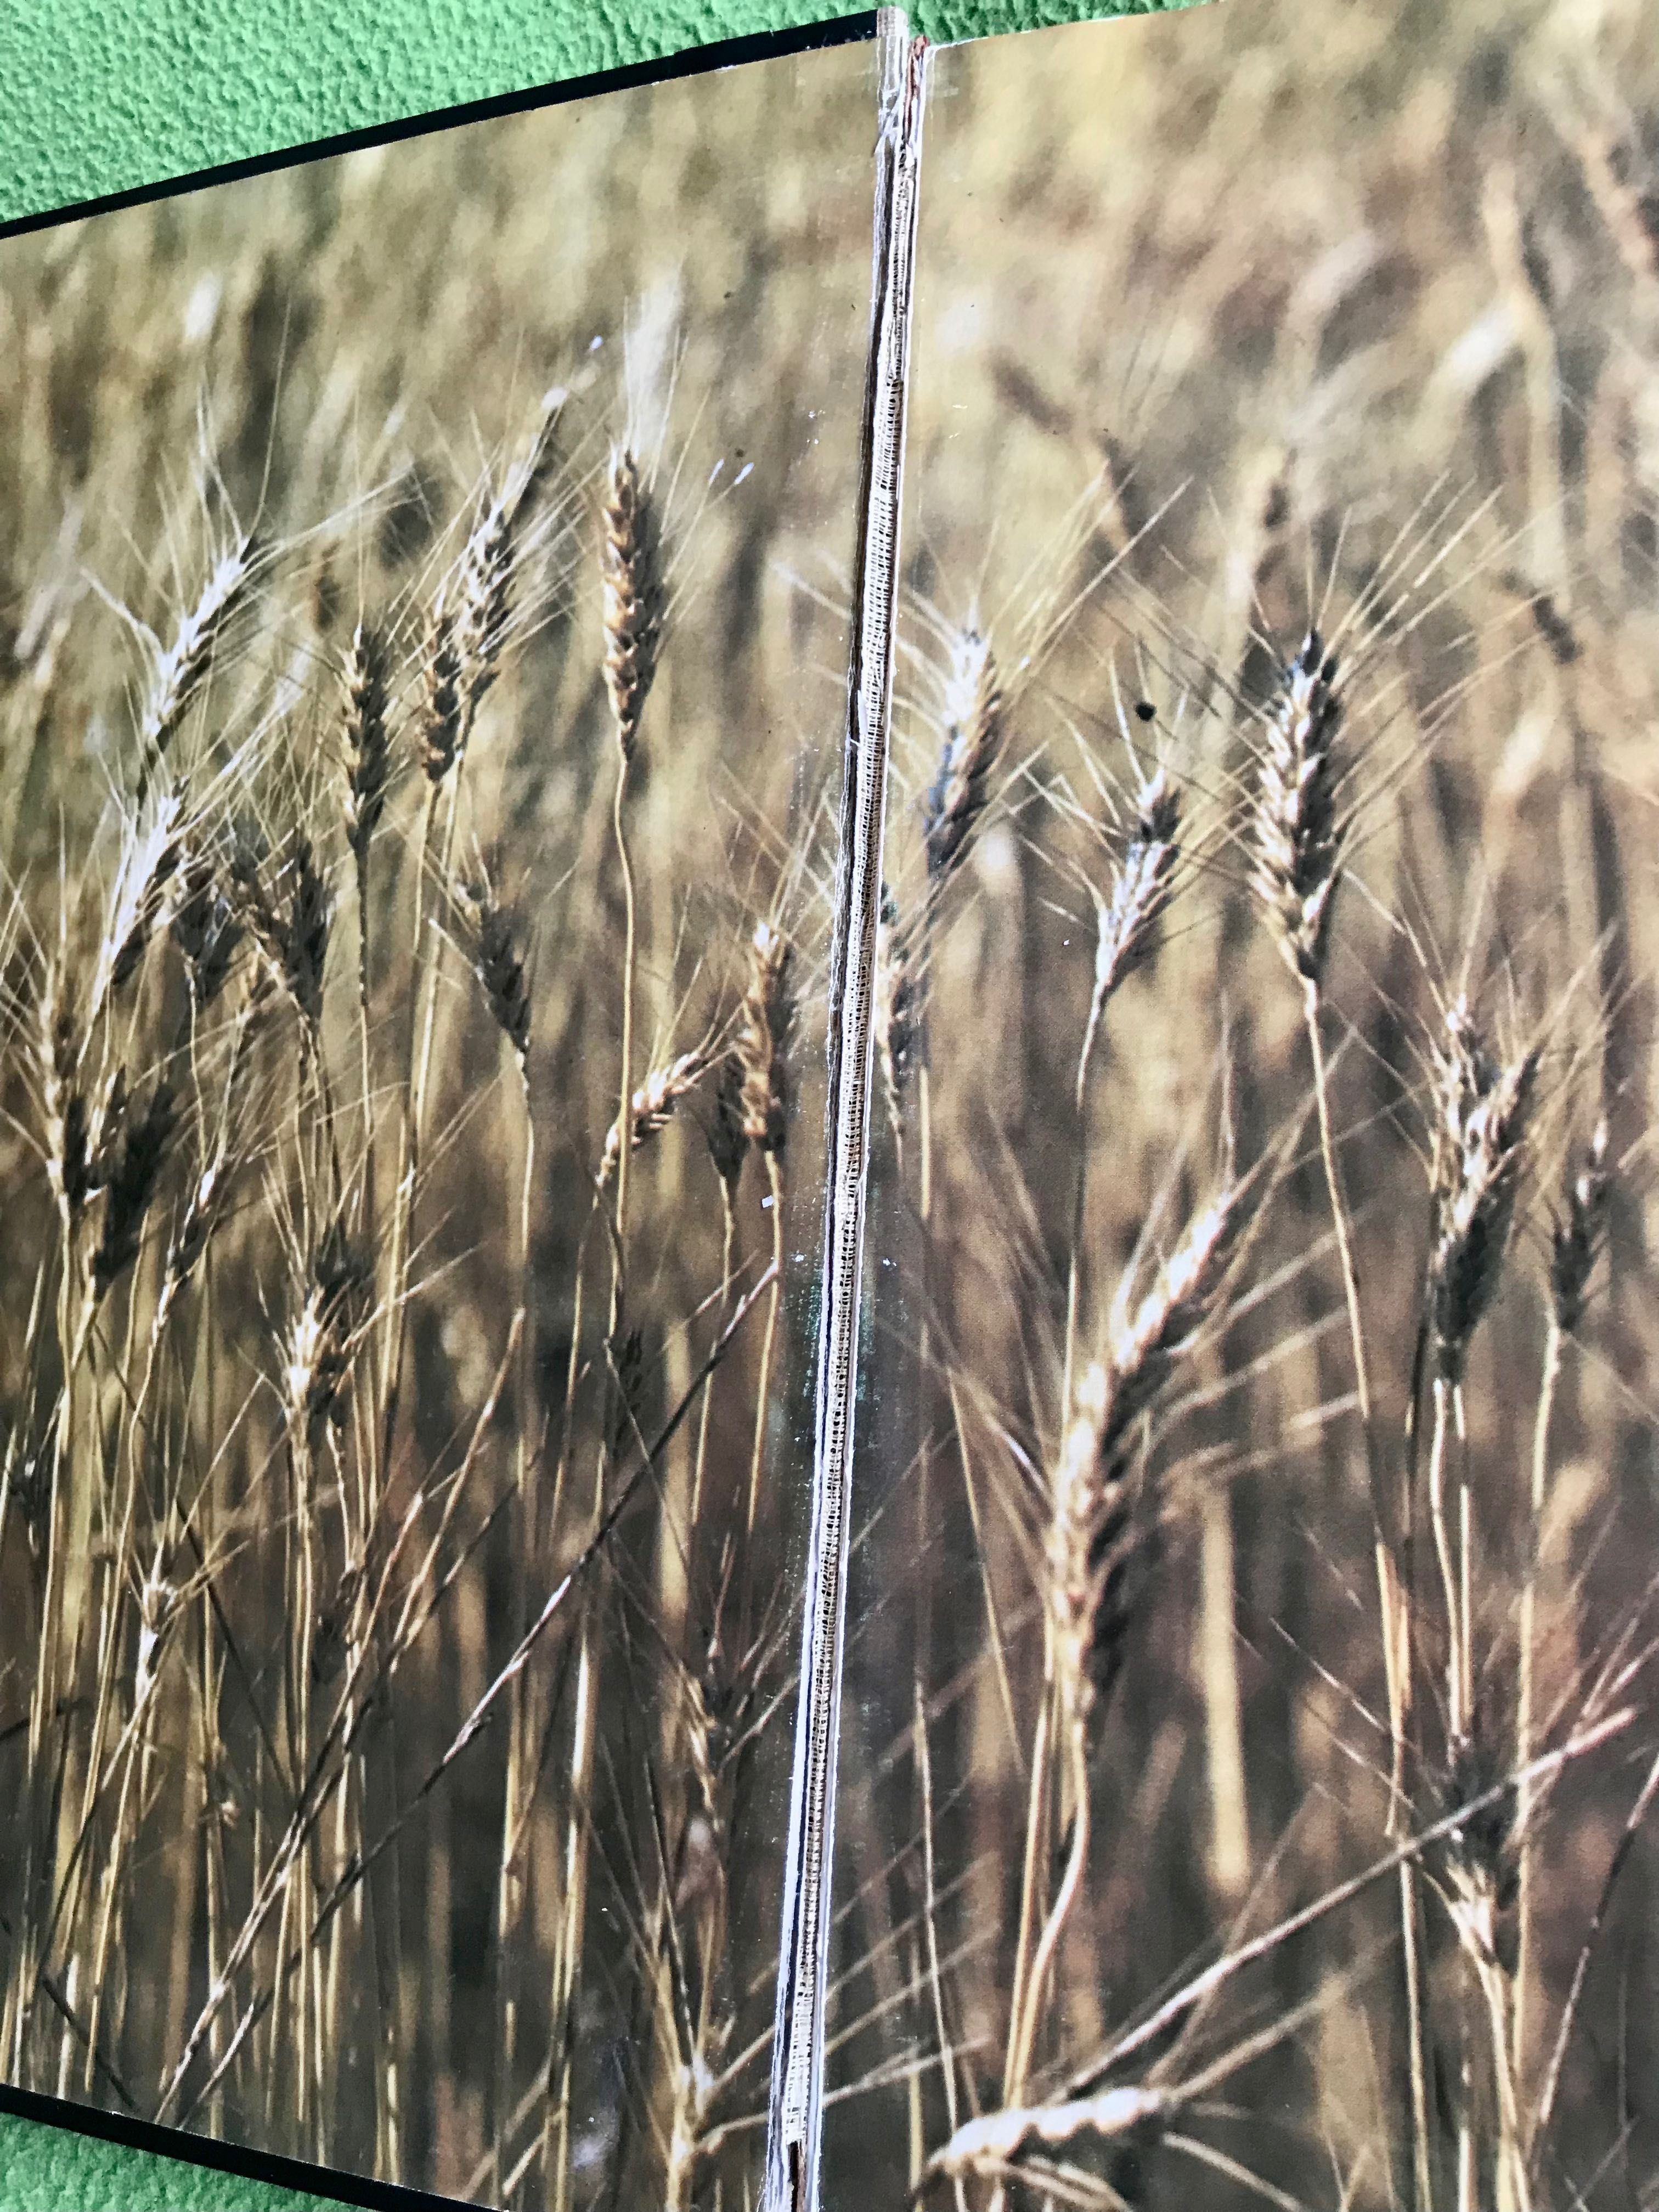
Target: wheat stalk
{"points": [[762, 1057], [631, 614], [1575, 1241]]}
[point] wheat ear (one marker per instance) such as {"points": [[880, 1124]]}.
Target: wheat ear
{"points": [[1126, 918], [182, 669]]}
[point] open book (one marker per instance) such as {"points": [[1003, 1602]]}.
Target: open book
{"points": [[825, 1031]]}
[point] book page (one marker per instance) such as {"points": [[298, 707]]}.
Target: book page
{"points": [[1248, 1517], [426, 605]]}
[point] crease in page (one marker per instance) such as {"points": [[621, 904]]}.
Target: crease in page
{"points": [[795, 2111]]}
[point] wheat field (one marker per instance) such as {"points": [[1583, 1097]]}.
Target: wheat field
{"points": [[423, 680], [421, 748], [1251, 1738]]}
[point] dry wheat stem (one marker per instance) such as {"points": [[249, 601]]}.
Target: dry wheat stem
{"points": [[1023, 2039], [1038, 1817], [930, 1912], [1514, 2185], [1575, 1246], [1410, 1930], [1394, 1606], [631, 615], [1457, 1666], [700, 1457], [1527, 1633], [512, 1015], [763, 1381], [1484, 1108], [688, 1537], [762, 1055]]}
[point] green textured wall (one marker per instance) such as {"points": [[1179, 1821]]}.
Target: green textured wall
{"points": [[43, 2169], [106, 95], [103, 95]]}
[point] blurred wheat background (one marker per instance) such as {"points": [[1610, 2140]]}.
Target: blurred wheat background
{"points": [[1256, 1474], [424, 662]]}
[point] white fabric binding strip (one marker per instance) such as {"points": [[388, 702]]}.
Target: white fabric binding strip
{"points": [[794, 2120]]}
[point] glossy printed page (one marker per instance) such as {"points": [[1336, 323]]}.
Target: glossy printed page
{"points": [[425, 644], [1247, 1686]]}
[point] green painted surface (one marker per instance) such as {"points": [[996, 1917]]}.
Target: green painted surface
{"points": [[104, 95], [52, 2170]]}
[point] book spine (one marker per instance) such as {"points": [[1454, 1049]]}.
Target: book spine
{"points": [[794, 2115]]}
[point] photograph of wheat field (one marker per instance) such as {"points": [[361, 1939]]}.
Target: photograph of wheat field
{"points": [[1247, 1789], [419, 754], [422, 658]]}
